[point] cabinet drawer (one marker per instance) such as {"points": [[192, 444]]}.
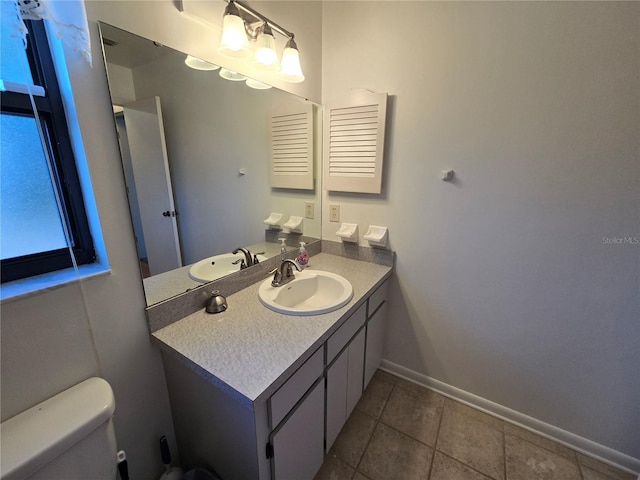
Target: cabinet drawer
{"points": [[295, 387], [377, 297], [348, 329]]}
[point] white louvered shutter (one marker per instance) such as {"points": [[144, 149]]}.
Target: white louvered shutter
{"points": [[353, 144], [291, 146]]}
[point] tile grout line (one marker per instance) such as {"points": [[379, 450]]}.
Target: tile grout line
{"points": [[474, 469], [435, 444], [504, 449], [375, 426]]}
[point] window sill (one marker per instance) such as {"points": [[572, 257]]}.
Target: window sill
{"points": [[33, 286]]}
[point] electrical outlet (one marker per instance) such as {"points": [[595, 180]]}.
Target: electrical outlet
{"points": [[309, 210], [334, 213]]}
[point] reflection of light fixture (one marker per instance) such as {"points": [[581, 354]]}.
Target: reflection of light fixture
{"points": [[291, 70], [199, 64], [238, 27], [234, 42], [257, 85], [231, 75]]}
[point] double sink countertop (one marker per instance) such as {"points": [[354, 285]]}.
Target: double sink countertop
{"points": [[249, 350]]}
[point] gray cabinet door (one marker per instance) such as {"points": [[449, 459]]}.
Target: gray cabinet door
{"points": [[356, 371], [337, 379], [344, 386], [298, 449]]}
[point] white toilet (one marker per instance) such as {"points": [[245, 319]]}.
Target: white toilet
{"points": [[69, 436]]}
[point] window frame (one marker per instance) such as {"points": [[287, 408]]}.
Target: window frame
{"points": [[53, 119]]}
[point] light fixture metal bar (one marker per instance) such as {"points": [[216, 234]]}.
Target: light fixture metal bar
{"points": [[259, 16]]}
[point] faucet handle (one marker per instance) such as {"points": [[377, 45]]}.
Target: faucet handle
{"points": [[255, 258], [277, 277], [241, 262]]}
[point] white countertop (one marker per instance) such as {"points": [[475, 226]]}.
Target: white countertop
{"points": [[247, 349]]}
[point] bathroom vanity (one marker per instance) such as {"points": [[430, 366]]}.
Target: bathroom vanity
{"points": [[256, 394]]}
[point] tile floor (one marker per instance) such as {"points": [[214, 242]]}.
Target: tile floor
{"points": [[401, 431]]}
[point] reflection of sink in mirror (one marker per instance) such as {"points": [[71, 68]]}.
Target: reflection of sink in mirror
{"points": [[311, 293], [216, 267]]}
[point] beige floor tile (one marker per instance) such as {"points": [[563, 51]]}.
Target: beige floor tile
{"points": [[526, 461], [385, 377], [417, 415], [412, 387], [472, 442], [360, 476], [599, 467], [334, 469], [353, 438], [374, 397], [446, 468], [475, 414], [539, 441], [394, 456]]}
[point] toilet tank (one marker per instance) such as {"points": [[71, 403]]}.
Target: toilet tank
{"points": [[69, 436]]}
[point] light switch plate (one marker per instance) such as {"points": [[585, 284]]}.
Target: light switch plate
{"points": [[309, 210]]}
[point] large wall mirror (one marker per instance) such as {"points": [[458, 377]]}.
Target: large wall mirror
{"points": [[195, 154]]}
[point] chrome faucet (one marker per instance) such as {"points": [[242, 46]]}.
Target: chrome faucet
{"points": [[284, 274], [248, 260], [245, 262]]}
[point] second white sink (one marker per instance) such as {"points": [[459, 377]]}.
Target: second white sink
{"points": [[311, 293], [216, 267]]}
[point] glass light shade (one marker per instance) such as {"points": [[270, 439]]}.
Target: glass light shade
{"points": [[199, 64], [291, 70], [257, 85], [231, 75], [234, 42], [266, 57]]}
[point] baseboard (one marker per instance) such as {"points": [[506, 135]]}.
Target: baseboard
{"points": [[575, 442]]}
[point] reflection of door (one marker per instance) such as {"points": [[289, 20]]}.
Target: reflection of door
{"points": [[150, 167]]}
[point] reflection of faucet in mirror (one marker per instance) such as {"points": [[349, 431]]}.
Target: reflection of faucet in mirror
{"points": [[248, 260], [255, 257], [244, 262]]}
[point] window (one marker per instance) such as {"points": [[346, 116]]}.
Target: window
{"points": [[42, 209]]}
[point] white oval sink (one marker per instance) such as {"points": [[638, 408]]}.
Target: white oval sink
{"points": [[217, 266], [312, 292]]}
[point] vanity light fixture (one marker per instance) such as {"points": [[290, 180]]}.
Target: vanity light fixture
{"points": [[291, 70], [234, 42], [266, 57], [199, 64], [240, 24]]}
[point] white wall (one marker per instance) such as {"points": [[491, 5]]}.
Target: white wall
{"points": [[504, 287], [58, 338]]}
